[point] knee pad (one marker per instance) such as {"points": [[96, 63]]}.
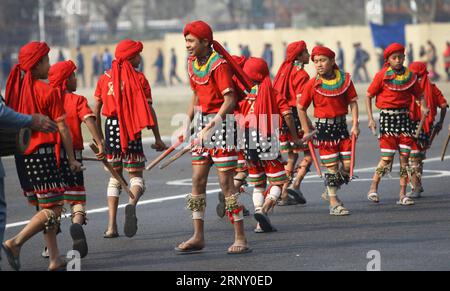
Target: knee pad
{"points": [[114, 188], [258, 198], [53, 221], [384, 170], [80, 210], [274, 193], [138, 182], [197, 205], [234, 208], [336, 179], [405, 172]]}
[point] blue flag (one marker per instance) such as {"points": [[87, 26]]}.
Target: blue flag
{"points": [[384, 35]]}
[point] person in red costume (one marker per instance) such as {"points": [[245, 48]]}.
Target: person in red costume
{"points": [[331, 92], [37, 168], [290, 82], [434, 99], [394, 88], [123, 96], [211, 71]]}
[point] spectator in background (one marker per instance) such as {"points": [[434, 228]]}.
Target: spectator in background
{"points": [[432, 60], [340, 57], [380, 57], [80, 67], [141, 67], [96, 68], [285, 49], [173, 68], [225, 45], [360, 61], [61, 57], [268, 56], [107, 60], [246, 52], [410, 53], [159, 64], [423, 54], [447, 61]]}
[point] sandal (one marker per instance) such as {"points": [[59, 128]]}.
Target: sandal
{"points": [[405, 201], [297, 195], [60, 268], [79, 239], [220, 208], [189, 249], [263, 221], [13, 261], [373, 197], [113, 234], [244, 249], [339, 210], [130, 226], [288, 202]]}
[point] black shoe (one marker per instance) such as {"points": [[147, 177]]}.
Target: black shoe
{"points": [[264, 221], [297, 195], [130, 226], [220, 208], [79, 239]]}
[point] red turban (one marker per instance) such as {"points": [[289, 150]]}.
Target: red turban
{"points": [[420, 69], [281, 81], [240, 60], [131, 103], [57, 76], [202, 30], [258, 71], [393, 48], [323, 51], [19, 93], [127, 49], [60, 72]]}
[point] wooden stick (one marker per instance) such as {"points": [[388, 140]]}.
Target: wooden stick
{"points": [[91, 159], [444, 149], [175, 157], [113, 172], [314, 157], [419, 129], [353, 156], [165, 154]]}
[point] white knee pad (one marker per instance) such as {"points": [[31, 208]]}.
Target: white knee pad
{"points": [[274, 193], [114, 188], [138, 182], [258, 198]]}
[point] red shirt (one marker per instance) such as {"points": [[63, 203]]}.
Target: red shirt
{"points": [[390, 99], [297, 81], [77, 111], [211, 94], [105, 92], [324, 106], [47, 103], [246, 105]]}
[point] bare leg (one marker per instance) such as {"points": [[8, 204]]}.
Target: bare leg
{"points": [[199, 180]]}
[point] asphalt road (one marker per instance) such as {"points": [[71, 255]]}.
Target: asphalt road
{"points": [[308, 238]]}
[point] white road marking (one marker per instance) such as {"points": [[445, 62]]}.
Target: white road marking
{"points": [[439, 174]]}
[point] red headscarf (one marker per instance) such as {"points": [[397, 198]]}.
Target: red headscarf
{"points": [[131, 103], [258, 71], [19, 92], [202, 30], [281, 81], [57, 76], [59, 73], [323, 51], [420, 69], [393, 48]]}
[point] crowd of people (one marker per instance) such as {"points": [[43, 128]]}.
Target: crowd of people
{"points": [[265, 114]]}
